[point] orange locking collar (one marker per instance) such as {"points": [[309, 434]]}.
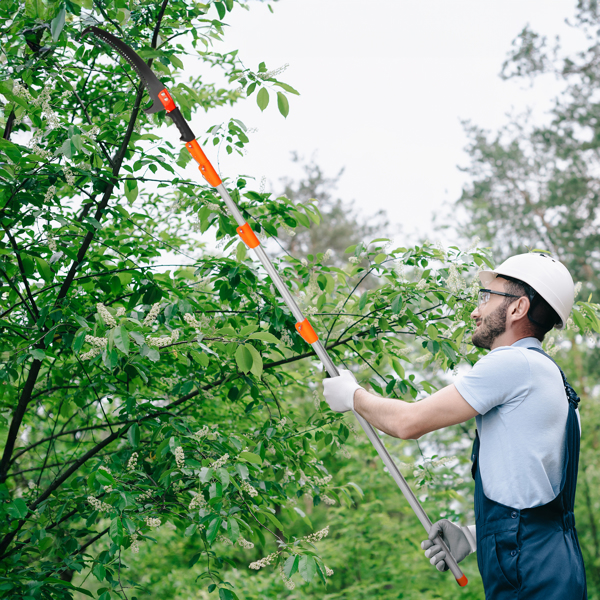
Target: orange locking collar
{"points": [[305, 329], [166, 100], [248, 236], [206, 168]]}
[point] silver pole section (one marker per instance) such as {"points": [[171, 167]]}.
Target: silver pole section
{"points": [[332, 370]]}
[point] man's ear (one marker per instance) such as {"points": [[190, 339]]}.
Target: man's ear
{"points": [[520, 308]]}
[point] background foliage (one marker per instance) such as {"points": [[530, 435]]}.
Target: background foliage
{"points": [[163, 429]]}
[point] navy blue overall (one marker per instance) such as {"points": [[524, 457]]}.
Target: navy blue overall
{"points": [[533, 553]]}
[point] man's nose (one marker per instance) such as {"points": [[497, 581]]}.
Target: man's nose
{"points": [[475, 314]]}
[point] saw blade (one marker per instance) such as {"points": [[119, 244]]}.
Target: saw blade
{"points": [[144, 72]]}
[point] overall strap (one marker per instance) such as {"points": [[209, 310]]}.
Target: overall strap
{"points": [[572, 442]]}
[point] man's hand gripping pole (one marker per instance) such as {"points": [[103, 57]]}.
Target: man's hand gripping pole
{"points": [[162, 100]]}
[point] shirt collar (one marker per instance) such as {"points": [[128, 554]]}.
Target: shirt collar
{"points": [[528, 342]]}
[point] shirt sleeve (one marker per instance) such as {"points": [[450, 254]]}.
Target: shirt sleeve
{"points": [[501, 378]]}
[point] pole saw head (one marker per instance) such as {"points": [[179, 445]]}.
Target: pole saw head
{"points": [[160, 96]]}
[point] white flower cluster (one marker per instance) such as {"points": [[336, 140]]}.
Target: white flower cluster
{"points": [[444, 460], [50, 193], [250, 490], [323, 480], [151, 522], [422, 284], [316, 399], [571, 324], [422, 359], [286, 338], [197, 501], [327, 500], [91, 353], [135, 548], [69, 177], [399, 270], [99, 505], [263, 562], [354, 260], [132, 462], [152, 314], [551, 348], [304, 262], [327, 255], [146, 495], [120, 312], [282, 422], [108, 489], [289, 584], [165, 340], [273, 73], [96, 341], [454, 282], [103, 468], [108, 319], [245, 543], [317, 536], [473, 245], [328, 571], [225, 540], [201, 433], [179, 457], [220, 462], [577, 288], [190, 319]]}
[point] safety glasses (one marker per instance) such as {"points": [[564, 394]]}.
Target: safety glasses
{"points": [[485, 295]]}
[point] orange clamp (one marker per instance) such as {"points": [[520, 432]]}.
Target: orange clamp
{"points": [[206, 168], [248, 236], [462, 581], [166, 100], [305, 329]]}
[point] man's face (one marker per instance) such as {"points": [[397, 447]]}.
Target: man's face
{"points": [[490, 317]]}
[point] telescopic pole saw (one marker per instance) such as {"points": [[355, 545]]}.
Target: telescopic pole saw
{"points": [[162, 100]]}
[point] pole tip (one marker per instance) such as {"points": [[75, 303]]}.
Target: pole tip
{"points": [[462, 581]]}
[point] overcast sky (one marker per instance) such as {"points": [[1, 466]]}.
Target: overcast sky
{"points": [[384, 87]]}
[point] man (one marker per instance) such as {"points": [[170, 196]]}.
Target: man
{"points": [[526, 451]]}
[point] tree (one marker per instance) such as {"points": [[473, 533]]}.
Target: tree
{"points": [[340, 225]]}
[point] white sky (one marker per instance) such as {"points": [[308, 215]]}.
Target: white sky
{"points": [[384, 87]]}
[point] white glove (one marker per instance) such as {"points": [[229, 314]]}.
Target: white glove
{"points": [[339, 391], [460, 542]]}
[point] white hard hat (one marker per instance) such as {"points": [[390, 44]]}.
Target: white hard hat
{"points": [[546, 275]]}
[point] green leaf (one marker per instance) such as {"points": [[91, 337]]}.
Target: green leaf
{"points": [[307, 568], [257, 362], [121, 339], [38, 354], [213, 530], [250, 457], [104, 477], [226, 594], [380, 258], [287, 88], [262, 98], [397, 304], [191, 530], [221, 9], [291, 565], [57, 24], [223, 475], [116, 531], [265, 336], [363, 301], [233, 529], [44, 269], [243, 357], [282, 104], [131, 190], [18, 508], [133, 435]]}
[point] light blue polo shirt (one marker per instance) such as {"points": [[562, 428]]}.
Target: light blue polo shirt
{"points": [[523, 407]]}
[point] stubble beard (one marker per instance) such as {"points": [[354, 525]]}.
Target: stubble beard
{"points": [[492, 326]]}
